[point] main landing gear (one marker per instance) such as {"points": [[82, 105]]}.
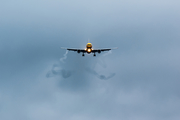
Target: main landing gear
{"points": [[84, 55]]}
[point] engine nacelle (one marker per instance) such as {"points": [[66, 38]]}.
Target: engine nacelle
{"points": [[99, 51], [78, 51]]}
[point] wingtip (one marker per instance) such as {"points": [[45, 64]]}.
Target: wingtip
{"points": [[115, 48], [63, 48]]}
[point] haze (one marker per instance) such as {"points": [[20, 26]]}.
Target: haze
{"points": [[138, 81]]}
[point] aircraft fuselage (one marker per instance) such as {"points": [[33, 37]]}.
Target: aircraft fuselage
{"points": [[88, 48]]}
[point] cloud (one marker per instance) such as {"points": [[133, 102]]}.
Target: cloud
{"points": [[57, 70], [102, 77]]}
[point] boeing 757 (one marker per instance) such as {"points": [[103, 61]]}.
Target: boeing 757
{"points": [[88, 49]]}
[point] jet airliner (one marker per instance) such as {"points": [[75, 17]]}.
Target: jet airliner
{"points": [[88, 49]]}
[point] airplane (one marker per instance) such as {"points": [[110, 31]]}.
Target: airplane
{"points": [[88, 49]]}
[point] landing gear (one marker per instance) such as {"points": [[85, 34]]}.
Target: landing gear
{"points": [[83, 54], [94, 54]]}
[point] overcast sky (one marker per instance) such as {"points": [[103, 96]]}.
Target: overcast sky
{"points": [[138, 81]]}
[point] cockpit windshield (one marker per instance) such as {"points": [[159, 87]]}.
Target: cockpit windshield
{"points": [[89, 45]]}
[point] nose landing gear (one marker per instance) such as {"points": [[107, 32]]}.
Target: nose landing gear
{"points": [[83, 54]]}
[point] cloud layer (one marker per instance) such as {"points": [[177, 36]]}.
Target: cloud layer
{"points": [[41, 81]]}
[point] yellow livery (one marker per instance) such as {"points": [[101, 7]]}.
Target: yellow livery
{"points": [[88, 49]]}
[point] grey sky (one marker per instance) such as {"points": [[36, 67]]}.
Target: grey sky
{"points": [[138, 81]]}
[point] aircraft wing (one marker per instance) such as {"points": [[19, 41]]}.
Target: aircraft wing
{"points": [[75, 49], [79, 50], [102, 50], [84, 51]]}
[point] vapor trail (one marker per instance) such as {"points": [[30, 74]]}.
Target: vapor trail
{"points": [[109, 52], [101, 60], [57, 70], [64, 57], [102, 63]]}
